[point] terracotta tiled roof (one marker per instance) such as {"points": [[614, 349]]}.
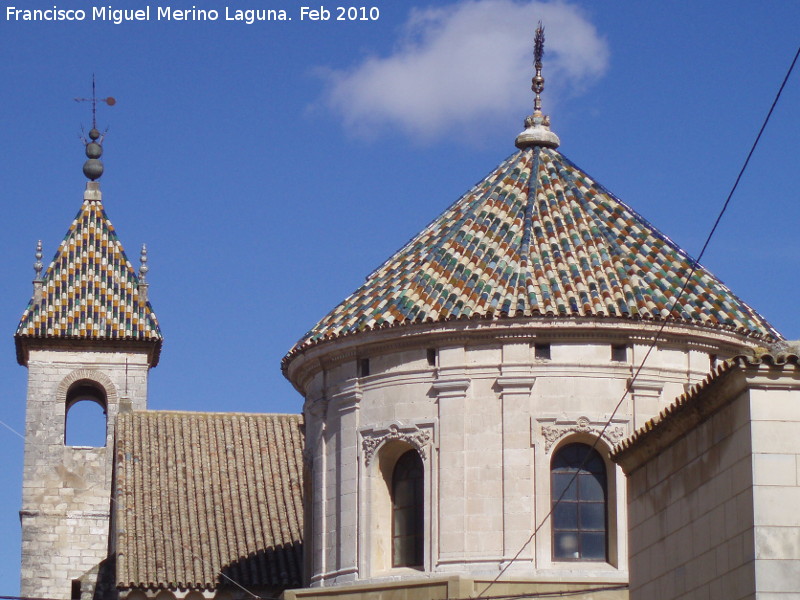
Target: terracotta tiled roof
{"points": [[205, 494], [90, 290], [538, 236]]}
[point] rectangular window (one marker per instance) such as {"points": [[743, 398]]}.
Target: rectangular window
{"points": [[76, 589], [432, 357], [363, 367], [541, 351], [619, 353]]}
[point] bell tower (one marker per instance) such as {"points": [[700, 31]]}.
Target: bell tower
{"points": [[88, 338]]}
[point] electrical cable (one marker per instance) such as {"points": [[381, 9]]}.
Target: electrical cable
{"points": [[628, 387], [625, 394]]}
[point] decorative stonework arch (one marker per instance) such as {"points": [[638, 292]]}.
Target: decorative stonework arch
{"points": [[417, 435], [88, 375], [554, 429]]}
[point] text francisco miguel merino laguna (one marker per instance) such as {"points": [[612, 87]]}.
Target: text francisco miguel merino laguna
{"points": [[167, 13]]}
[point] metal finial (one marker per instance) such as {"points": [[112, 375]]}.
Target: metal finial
{"points": [[537, 126], [93, 168], [537, 83]]}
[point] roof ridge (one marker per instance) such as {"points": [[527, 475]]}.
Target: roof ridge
{"points": [[148, 412]]}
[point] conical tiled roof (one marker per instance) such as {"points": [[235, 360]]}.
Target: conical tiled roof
{"points": [[90, 290], [538, 236]]}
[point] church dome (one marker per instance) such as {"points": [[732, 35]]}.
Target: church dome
{"points": [[538, 237]]}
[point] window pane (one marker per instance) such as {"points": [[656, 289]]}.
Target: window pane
{"points": [[560, 481], [565, 515], [593, 546], [404, 493], [591, 487], [565, 545], [592, 516]]}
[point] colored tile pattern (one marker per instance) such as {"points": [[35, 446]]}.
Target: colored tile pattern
{"points": [[223, 486], [537, 237], [90, 290]]}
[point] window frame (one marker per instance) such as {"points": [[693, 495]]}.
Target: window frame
{"points": [[417, 537], [600, 475]]}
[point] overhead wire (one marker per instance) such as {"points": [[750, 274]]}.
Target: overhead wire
{"points": [[695, 264]]}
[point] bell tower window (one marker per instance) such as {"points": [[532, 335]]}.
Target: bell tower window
{"points": [[86, 419]]}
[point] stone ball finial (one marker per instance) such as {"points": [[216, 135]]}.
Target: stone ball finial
{"points": [[93, 168], [94, 133], [38, 266], [94, 150]]}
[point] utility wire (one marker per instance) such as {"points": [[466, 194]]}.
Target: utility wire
{"points": [[625, 394], [629, 386]]}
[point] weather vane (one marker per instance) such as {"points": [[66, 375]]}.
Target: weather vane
{"points": [[537, 83], [93, 167], [537, 126], [94, 100]]}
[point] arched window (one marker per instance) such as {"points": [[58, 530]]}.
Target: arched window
{"points": [[85, 415], [580, 517], [408, 505]]}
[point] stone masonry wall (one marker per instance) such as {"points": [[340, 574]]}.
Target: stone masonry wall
{"points": [[486, 419], [775, 424], [66, 497], [690, 513]]}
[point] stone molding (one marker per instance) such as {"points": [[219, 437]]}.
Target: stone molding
{"points": [[90, 375], [554, 429], [518, 384], [418, 435], [645, 387], [304, 364], [348, 398], [451, 387]]}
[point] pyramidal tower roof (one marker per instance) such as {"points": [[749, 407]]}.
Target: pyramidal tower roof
{"points": [[538, 237], [90, 291]]}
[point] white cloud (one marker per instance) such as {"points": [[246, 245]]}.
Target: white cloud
{"points": [[465, 65]]}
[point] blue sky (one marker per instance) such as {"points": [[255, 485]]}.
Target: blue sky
{"points": [[270, 167]]}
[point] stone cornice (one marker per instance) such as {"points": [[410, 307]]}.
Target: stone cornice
{"points": [[515, 383], [299, 367], [451, 387], [348, 398]]}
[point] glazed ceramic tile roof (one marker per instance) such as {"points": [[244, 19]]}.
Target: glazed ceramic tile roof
{"points": [[538, 237], [90, 290]]}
